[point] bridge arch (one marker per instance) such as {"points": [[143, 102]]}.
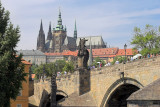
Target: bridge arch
{"points": [[119, 86]]}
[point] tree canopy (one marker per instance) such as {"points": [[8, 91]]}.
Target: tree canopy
{"points": [[69, 67], [119, 58], [58, 66], [147, 40], [11, 68], [97, 59]]}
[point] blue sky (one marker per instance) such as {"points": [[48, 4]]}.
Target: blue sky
{"points": [[114, 20]]}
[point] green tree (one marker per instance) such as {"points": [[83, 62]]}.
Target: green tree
{"points": [[146, 40], [97, 59], [33, 67], [69, 67], [38, 71], [49, 68], [11, 68], [60, 64], [121, 59], [45, 69]]}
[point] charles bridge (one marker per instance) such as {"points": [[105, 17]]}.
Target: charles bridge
{"points": [[106, 86]]}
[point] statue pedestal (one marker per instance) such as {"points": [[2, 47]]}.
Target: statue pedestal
{"points": [[84, 81]]}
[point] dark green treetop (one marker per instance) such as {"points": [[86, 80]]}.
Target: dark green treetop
{"points": [[11, 68]]}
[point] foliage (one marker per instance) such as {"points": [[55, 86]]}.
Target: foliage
{"points": [[46, 69], [97, 59], [114, 60], [38, 71], [134, 50], [119, 58], [69, 67], [146, 40], [58, 66], [50, 68], [33, 67], [11, 68]]}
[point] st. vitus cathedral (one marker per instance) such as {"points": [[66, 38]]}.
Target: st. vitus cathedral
{"points": [[57, 39]]}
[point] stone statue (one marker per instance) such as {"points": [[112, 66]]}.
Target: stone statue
{"points": [[83, 54]]}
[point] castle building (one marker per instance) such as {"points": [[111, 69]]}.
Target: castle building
{"points": [[58, 41]]}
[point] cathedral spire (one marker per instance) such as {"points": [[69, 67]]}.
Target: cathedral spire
{"points": [[41, 26], [59, 18], [41, 39], [49, 37], [50, 27], [59, 25], [75, 30]]}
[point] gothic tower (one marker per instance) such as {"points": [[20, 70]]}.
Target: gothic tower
{"points": [[49, 37], [50, 40], [75, 31], [41, 39], [59, 35]]}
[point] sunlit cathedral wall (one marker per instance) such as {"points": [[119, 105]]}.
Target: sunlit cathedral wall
{"points": [[58, 41]]}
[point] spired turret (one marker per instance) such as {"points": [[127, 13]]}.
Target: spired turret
{"points": [[59, 35], [59, 26], [49, 37], [75, 31], [41, 39], [55, 41]]}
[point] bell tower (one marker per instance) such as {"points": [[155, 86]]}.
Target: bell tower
{"points": [[59, 34]]}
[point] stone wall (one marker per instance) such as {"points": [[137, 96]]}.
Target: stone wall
{"points": [[105, 80], [39, 88], [143, 71]]}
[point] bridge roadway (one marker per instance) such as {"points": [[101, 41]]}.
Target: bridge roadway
{"points": [[108, 86]]}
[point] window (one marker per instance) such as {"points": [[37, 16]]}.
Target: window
{"points": [[20, 93], [19, 105]]}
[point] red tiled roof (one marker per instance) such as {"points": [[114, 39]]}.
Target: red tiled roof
{"points": [[121, 52], [73, 53], [64, 53], [103, 52], [110, 56]]}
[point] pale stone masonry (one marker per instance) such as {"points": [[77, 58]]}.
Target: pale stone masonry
{"points": [[104, 81]]}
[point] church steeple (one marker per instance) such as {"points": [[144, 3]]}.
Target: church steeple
{"points": [[49, 37], [41, 26], [75, 30], [59, 18], [59, 25], [41, 39]]}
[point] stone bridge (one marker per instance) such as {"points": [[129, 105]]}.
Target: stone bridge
{"points": [[107, 86]]}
